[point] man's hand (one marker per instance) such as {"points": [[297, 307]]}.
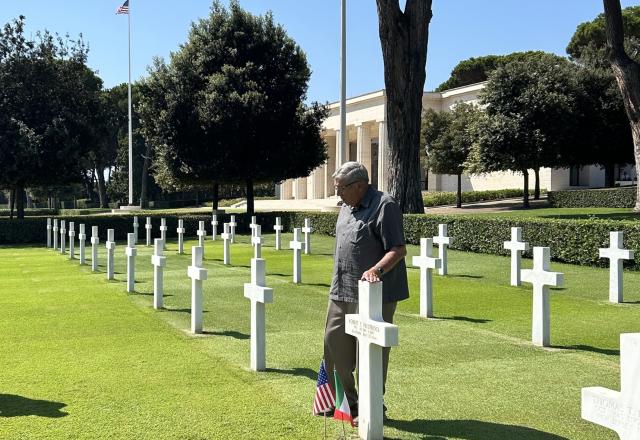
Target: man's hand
{"points": [[371, 275]]}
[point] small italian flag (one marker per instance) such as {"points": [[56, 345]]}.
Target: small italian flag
{"points": [[342, 411]]}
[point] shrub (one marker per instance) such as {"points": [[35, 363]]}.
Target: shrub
{"points": [[30, 212], [594, 198], [440, 198]]}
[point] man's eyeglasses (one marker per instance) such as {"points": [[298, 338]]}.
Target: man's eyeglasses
{"points": [[341, 188]]}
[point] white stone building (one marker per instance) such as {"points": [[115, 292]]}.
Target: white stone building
{"points": [[366, 136]]}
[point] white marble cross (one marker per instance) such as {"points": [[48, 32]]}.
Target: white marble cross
{"points": [[278, 228], [163, 231], [63, 235], [111, 246], [616, 254], [202, 232], [619, 411], [253, 225], [130, 251], [541, 278], [232, 228], [373, 334], [296, 245], [55, 234], [226, 238], [159, 261], [197, 274], [82, 237], [307, 236], [214, 227], [517, 246], [256, 241], [442, 241], [95, 240], [49, 232], [259, 295], [180, 232], [148, 227], [426, 263], [135, 227], [72, 241]]}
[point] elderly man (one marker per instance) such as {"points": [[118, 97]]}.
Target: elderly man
{"points": [[369, 246]]}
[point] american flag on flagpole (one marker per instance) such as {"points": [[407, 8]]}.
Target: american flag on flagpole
{"points": [[124, 9], [325, 398]]}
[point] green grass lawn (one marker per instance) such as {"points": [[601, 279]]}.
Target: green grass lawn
{"points": [[81, 358], [565, 213]]}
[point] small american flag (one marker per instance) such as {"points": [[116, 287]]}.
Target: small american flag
{"points": [[124, 9], [325, 399]]}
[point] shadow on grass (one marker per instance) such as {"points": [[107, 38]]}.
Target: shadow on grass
{"points": [[475, 277], [465, 319], [605, 351], [230, 333], [470, 430], [148, 294], [185, 310], [301, 372], [15, 406]]}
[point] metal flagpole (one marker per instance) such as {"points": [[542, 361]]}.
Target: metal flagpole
{"points": [[342, 147], [130, 124]]}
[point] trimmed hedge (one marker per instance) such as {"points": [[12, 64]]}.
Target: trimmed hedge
{"points": [[29, 212], [624, 197], [449, 198], [571, 241]]}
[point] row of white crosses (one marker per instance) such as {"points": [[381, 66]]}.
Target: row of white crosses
{"points": [[615, 253]]}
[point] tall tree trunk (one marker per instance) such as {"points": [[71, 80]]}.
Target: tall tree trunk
{"points": [[250, 204], [627, 73], [12, 202], [404, 37], [87, 178], [525, 196], [144, 197], [214, 205], [19, 197], [459, 192], [102, 189], [536, 190]]}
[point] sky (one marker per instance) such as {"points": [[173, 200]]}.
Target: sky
{"points": [[459, 29]]}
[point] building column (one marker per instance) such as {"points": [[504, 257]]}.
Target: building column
{"points": [[286, 190], [364, 146], [318, 182], [311, 185], [382, 155], [330, 166], [300, 188]]}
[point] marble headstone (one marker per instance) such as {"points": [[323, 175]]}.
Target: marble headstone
{"points": [[619, 411]]}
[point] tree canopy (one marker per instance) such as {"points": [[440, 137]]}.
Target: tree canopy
{"points": [[532, 117], [477, 69], [230, 106], [448, 139], [48, 102], [592, 34]]}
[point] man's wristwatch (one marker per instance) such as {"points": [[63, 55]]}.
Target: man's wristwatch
{"points": [[380, 270]]}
